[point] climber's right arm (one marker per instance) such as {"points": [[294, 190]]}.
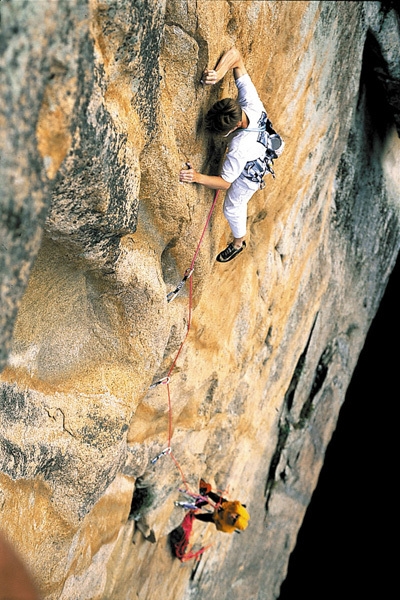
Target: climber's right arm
{"points": [[213, 182]]}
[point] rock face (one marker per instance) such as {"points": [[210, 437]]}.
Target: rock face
{"points": [[103, 104]]}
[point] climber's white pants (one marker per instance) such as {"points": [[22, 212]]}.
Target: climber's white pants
{"points": [[235, 206]]}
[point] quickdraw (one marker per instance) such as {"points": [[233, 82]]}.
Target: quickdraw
{"points": [[163, 381], [188, 273], [162, 453]]}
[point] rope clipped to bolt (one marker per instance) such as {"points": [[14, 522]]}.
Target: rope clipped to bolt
{"points": [[166, 380]]}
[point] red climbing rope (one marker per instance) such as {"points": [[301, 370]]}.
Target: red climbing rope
{"points": [[205, 227], [191, 268], [166, 379]]}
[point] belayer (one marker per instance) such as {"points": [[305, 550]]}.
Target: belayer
{"points": [[252, 147], [227, 516]]}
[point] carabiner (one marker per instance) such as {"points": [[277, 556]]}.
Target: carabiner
{"points": [[164, 380], [162, 453]]}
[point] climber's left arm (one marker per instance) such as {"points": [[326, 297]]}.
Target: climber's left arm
{"points": [[230, 60]]}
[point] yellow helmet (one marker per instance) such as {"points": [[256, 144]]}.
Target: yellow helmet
{"points": [[243, 519]]}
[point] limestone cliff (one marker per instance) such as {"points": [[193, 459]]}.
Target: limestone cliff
{"points": [[102, 103]]}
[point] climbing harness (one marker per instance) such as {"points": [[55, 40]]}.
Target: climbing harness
{"points": [[255, 170]]}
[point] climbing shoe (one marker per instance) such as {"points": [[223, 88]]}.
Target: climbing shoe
{"points": [[230, 252]]}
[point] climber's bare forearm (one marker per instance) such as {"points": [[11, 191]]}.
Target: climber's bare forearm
{"points": [[213, 182], [230, 60]]}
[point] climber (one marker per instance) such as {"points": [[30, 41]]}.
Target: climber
{"points": [[227, 516], [249, 154]]}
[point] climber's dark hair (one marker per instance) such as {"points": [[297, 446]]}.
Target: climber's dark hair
{"points": [[223, 116]]}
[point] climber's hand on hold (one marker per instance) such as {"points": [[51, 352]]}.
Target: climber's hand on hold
{"points": [[210, 77], [232, 59], [214, 182], [188, 175]]}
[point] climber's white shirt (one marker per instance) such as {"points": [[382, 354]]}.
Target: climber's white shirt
{"points": [[243, 145], [242, 148]]}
